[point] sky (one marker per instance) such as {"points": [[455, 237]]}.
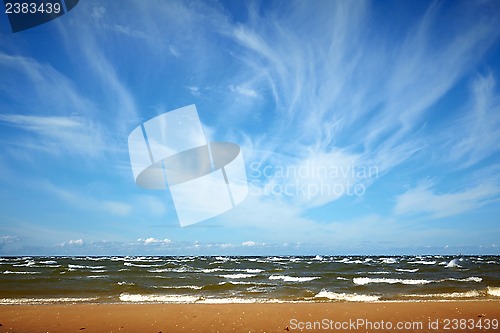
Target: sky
{"points": [[365, 127]]}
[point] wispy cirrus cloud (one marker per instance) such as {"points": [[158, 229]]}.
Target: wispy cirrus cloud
{"points": [[479, 125], [423, 199], [56, 134], [85, 202], [56, 115], [339, 87]]}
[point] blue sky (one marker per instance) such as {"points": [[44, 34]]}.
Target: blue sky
{"points": [[366, 127]]}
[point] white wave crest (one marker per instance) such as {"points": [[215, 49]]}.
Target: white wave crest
{"points": [[237, 276], [138, 298], [388, 260], [142, 265], [453, 263], [423, 262], [465, 294], [7, 301], [493, 291], [180, 287], [11, 272], [72, 266], [366, 280], [287, 278], [469, 279], [124, 283], [346, 297], [407, 270], [97, 276]]}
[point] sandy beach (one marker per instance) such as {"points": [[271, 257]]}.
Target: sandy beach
{"points": [[270, 317]]}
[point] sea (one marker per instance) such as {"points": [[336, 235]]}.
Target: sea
{"points": [[245, 279]]}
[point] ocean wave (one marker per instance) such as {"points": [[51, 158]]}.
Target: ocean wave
{"points": [[469, 279], [172, 270], [142, 259], [423, 262], [231, 300], [464, 294], [98, 258], [160, 270], [366, 280], [351, 261], [211, 270], [493, 291], [277, 259], [142, 265], [287, 278], [7, 301], [139, 298], [237, 276], [124, 283], [46, 266], [26, 264], [242, 282], [407, 270], [72, 266], [346, 297], [180, 287], [454, 263], [388, 260], [97, 276], [48, 262], [12, 272]]}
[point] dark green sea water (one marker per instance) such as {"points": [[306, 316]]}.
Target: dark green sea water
{"points": [[248, 279]]}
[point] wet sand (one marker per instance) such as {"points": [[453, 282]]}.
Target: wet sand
{"points": [[269, 317]]}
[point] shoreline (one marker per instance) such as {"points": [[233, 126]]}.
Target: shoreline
{"points": [[252, 317], [242, 301]]}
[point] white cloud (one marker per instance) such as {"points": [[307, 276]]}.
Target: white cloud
{"points": [[195, 91], [128, 32], [249, 243], [41, 123], [423, 200], [243, 90], [4, 240], [175, 52], [56, 134], [76, 242], [59, 117], [152, 240], [332, 95], [78, 200], [479, 127], [98, 12], [117, 208]]}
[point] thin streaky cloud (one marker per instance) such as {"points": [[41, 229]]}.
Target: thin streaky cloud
{"points": [[479, 126], [423, 200]]}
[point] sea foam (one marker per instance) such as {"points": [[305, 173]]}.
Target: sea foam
{"points": [[346, 297]]}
